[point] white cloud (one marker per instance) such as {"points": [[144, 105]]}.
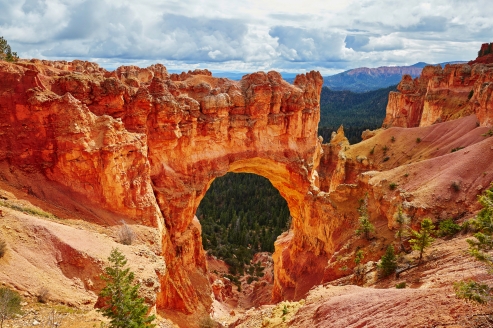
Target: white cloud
{"points": [[230, 34]]}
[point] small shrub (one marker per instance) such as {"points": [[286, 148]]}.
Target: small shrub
{"points": [[285, 310], [455, 186], [43, 295], [473, 291], [418, 140], [406, 175], [385, 148], [448, 228], [386, 158], [207, 322], [3, 247], [392, 186], [401, 285], [126, 235], [251, 279], [365, 226], [372, 150], [488, 134], [456, 149], [10, 304], [392, 139]]}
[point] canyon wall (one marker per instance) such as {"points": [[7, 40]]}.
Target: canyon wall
{"points": [[442, 94]]}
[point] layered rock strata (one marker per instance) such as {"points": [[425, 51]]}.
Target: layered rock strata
{"points": [[441, 94], [143, 146]]}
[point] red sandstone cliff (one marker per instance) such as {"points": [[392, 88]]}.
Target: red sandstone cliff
{"points": [[438, 95]]}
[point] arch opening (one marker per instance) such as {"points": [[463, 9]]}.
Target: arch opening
{"points": [[241, 215]]}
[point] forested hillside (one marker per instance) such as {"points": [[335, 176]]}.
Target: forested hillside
{"points": [[356, 111], [241, 214]]}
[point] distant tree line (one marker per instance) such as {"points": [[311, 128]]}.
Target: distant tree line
{"points": [[356, 111]]}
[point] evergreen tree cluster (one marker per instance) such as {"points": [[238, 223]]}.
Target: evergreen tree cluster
{"points": [[241, 214], [356, 111]]}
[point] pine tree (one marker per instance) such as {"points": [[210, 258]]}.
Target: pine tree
{"points": [[6, 52], [365, 226], [402, 227], [388, 262], [422, 238], [123, 305]]}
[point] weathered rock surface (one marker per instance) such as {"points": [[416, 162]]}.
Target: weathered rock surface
{"points": [[143, 145], [438, 95]]}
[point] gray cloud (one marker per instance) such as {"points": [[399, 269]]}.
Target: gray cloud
{"points": [[229, 34], [298, 44], [428, 24], [356, 42]]}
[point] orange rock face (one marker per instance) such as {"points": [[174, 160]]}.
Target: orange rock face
{"points": [[438, 95], [144, 146]]}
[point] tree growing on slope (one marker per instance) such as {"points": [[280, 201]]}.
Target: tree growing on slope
{"points": [[388, 262], [122, 304], [422, 238], [365, 226], [402, 227], [479, 248], [6, 52]]}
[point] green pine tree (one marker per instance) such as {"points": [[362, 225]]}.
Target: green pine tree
{"points": [[365, 226], [422, 238], [388, 262], [402, 227], [6, 52], [123, 305]]}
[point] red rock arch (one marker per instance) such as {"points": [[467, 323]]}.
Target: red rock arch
{"points": [[144, 145]]}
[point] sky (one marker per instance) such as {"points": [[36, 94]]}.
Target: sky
{"points": [[246, 36]]}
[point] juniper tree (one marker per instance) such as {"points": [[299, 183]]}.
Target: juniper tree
{"points": [[422, 238], [123, 306]]}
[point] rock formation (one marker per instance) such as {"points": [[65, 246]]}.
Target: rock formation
{"points": [[438, 95], [143, 145]]}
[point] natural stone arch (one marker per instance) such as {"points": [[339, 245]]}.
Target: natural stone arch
{"points": [[143, 145]]}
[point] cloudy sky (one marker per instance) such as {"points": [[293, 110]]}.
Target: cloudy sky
{"points": [[244, 36]]}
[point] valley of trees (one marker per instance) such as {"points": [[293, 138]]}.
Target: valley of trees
{"points": [[243, 214], [356, 111]]}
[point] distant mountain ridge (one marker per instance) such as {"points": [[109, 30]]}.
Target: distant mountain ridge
{"points": [[365, 79]]}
